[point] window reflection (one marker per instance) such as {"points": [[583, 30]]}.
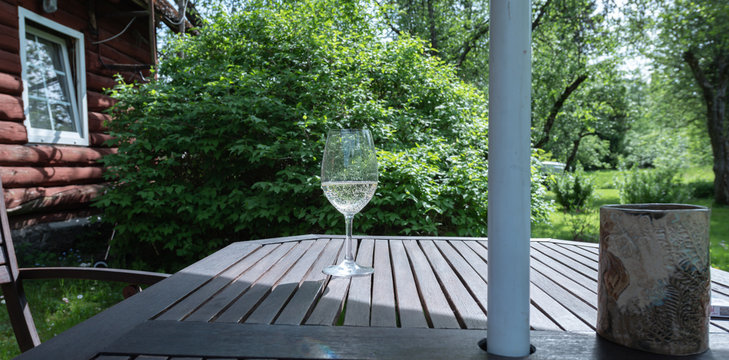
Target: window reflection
{"points": [[49, 87]]}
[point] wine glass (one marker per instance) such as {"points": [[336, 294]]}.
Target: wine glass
{"points": [[349, 180]]}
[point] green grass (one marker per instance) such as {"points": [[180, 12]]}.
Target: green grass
{"points": [[57, 305], [585, 226]]}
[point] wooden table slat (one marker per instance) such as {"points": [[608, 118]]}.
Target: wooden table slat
{"points": [[476, 279], [267, 310], [537, 319], [585, 290], [383, 311], [329, 307], [436, 306], [305, 296], [240, 296], [573, 257], [720, 277], [583, 251], [281, 341], [248, 278], [565, 264], [580, 309], [192, 301], [359, 298], [409, 307], [556, 311], [479, 264], [471, 314]]}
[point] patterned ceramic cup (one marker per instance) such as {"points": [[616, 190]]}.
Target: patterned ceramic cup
{"points": [[653, 284]]}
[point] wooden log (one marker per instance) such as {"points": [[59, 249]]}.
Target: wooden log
{"points": [[11, 84], [40, 155], [99, 139], [129, 44], [9, 62], [9, 39], [13, 133], [26, 200], [96, 65], [15, 177], [11, 108], [98, 102], [98, 83], [8, 14], [98, 121], [21, 221]]}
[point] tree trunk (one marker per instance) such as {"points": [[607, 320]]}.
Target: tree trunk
{"points": [[432, 27], [719, 134], [715, 98], [556, 109]]}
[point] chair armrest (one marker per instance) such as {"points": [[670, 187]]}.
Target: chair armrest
{"points": [[105, 274]]}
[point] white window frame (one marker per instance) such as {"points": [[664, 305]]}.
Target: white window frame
{"points": [[77, 89]]}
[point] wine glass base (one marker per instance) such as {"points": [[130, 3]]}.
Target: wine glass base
{"points": [[348, 268]]}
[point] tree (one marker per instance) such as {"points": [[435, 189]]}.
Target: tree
{"points": [[571, 50], [226, 144], [692, 38]]}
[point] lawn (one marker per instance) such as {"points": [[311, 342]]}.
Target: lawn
{"points": [[584, 226], [57, 305]]}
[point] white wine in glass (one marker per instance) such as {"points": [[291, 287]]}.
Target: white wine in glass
{"points": [[349, 180]]}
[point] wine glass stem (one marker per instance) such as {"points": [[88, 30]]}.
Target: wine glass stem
{"points": [[348, 254]]}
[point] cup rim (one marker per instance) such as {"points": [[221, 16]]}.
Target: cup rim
{"points": [[655, 207]]}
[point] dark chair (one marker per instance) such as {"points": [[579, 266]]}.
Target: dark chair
{"points": [[11, 278]]}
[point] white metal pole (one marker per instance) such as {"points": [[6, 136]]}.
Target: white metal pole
{"points": [[509, 177]]}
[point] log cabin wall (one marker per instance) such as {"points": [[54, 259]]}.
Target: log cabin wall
{"points": [[54, 182]]}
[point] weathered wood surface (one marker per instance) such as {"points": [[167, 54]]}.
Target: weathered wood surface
{"points": [[133, 47], [11, 107], [425, 294], [25, 200], [57, 155], [11, 84], [14, 177], [13, 133], [239, 341]]}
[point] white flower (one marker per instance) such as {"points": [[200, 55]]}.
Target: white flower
{"points": [[79, 297], [65, 300]]}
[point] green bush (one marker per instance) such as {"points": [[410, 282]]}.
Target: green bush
{"points": [[573, 191], [226, 144], [660, 185], [701, 189]]}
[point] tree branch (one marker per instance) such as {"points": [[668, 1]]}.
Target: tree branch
{"points": [[556, 109], [481, 30], [540, 14], [706, 88], [387, 18]]}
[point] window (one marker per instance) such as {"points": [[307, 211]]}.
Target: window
{"points": [[54, 85]]}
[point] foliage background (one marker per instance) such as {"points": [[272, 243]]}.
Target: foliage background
{"points": [[225, 145]]}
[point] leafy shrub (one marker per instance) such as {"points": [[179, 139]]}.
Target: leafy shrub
{"points": [[661, 185], [226, 144], [573, 191], [701, 189]]}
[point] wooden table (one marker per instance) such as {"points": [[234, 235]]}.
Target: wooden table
{"points": [[426, 299]]}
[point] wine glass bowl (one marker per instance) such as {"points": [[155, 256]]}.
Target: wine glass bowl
{"points": [[349, 180]]}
